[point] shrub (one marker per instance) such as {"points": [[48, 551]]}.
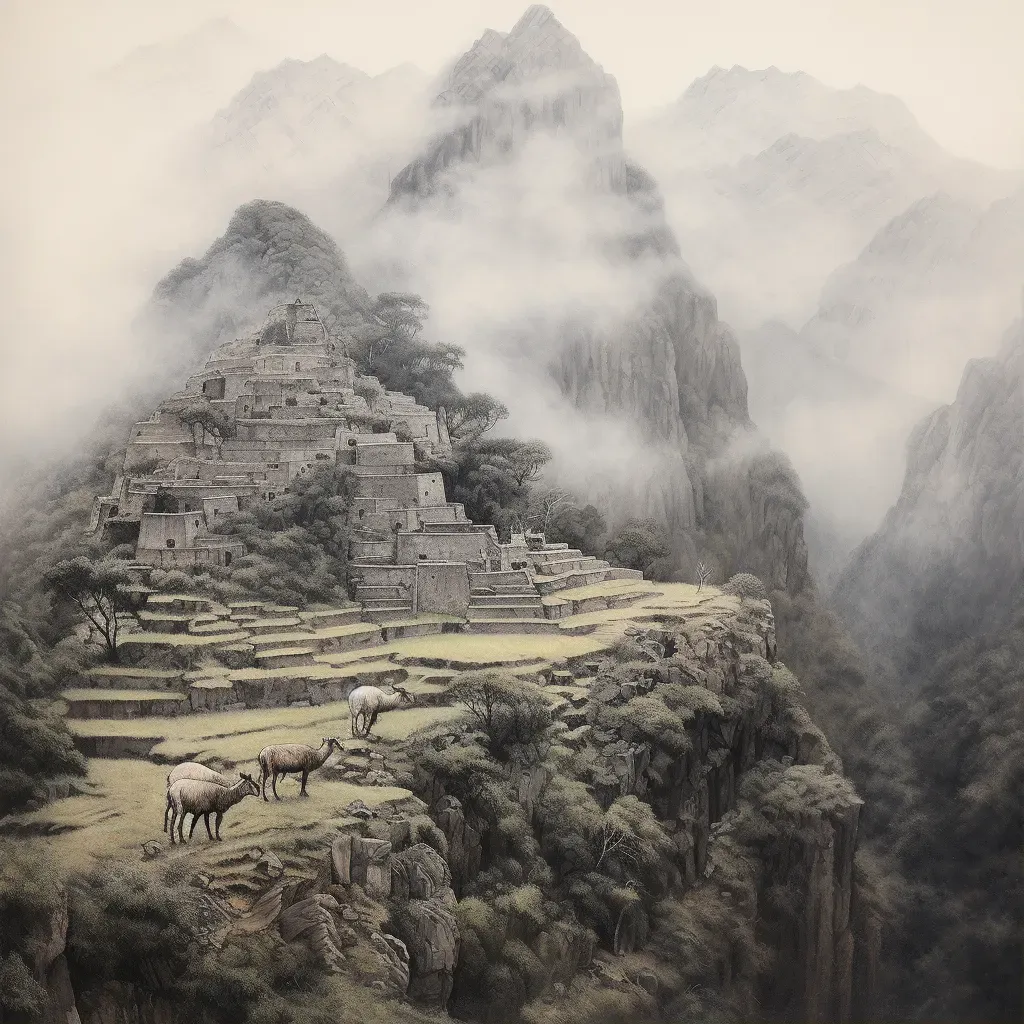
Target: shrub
{"points": [[745, 584]]}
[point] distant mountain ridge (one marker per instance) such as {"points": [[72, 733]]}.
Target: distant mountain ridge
{"points": [[948, 561], [736, 112], [773, 179], [319, 133]]}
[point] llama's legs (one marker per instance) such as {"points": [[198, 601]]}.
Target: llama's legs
{"points": [[263, 783], [195, 821], [206, 822], [174, 815], [167, 811], [181, 827], [219, 819], [273, 785], [302, 788]]}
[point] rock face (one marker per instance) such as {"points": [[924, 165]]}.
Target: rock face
{"points": [[643, 365], [317, 922], [949, 557]]}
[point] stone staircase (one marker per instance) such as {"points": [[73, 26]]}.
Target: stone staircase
{"points": [[506, 602]]}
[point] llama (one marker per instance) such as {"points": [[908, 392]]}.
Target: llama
{"points": [[191, 796], [292, 758], [367, 702], [192, 770]]}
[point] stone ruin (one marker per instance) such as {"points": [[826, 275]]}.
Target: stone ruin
{"points": [[288, 397]]}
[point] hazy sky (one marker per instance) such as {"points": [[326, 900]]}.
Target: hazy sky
{"points": [[957, 63]]}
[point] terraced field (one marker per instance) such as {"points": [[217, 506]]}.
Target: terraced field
{"points": [[123, 802]]}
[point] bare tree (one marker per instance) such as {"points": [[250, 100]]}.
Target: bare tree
{"points": [[548, 505], [703, 575]]}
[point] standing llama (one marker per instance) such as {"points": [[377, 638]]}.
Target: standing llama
{"points": [[365, 703], [192, 770], [191, 796], [291, 759]]}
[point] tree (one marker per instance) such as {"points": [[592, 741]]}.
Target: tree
{"points": [[204, 421], [703, 575], [472, 415], [544, 508], [581, 528], [526, 459], [398, 315], [508, 710], [638, 544], [102, 592]]}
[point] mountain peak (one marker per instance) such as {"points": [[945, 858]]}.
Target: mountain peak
{"points": [[537, 45]]}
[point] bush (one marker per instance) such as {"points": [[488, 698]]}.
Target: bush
{"points": [[744, 584]]}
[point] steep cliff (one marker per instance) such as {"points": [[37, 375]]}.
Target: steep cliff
{"points": [[661, 833], [612, 345], [949, 557]]}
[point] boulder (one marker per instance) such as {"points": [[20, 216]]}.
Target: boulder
{"points": [[357, 809], [371, 866], [270, 865], [316, 921], [431, 934], [394, 958], [341, 860], [419, 873]]}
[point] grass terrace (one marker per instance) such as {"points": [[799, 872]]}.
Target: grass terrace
{"points": [[236, 737], [126, 808]]}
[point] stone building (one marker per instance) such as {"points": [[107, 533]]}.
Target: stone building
{"points": [[284, 403]]}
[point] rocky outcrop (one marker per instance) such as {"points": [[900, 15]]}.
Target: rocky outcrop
{"points": [[316, 921]]}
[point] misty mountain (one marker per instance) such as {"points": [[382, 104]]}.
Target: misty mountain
{"points": [[773, 179], [948, 560], [546, 252], [269, 253], [318, 133], [933, 288], [181, 81]]}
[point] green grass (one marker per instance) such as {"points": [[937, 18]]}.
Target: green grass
{"points": [[164, 617], [607, 588], [482, 649], [134, 673], [240, 735], [181, 639], [126, 809], [79, 695], [278, 652]]}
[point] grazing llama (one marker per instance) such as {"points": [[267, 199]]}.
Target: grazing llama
{"points": [[292, 759], [365, 703], [191, 796]]}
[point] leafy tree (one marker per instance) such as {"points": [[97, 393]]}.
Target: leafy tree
{"points": [[296, 544], [472, 415], [638, 545], [203, 422], [526, 459], [510, 712], [101, 590], [581, 528]]}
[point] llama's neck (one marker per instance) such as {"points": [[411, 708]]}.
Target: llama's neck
{"points": [[235, 793], [391, 701], [320, 757]]}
